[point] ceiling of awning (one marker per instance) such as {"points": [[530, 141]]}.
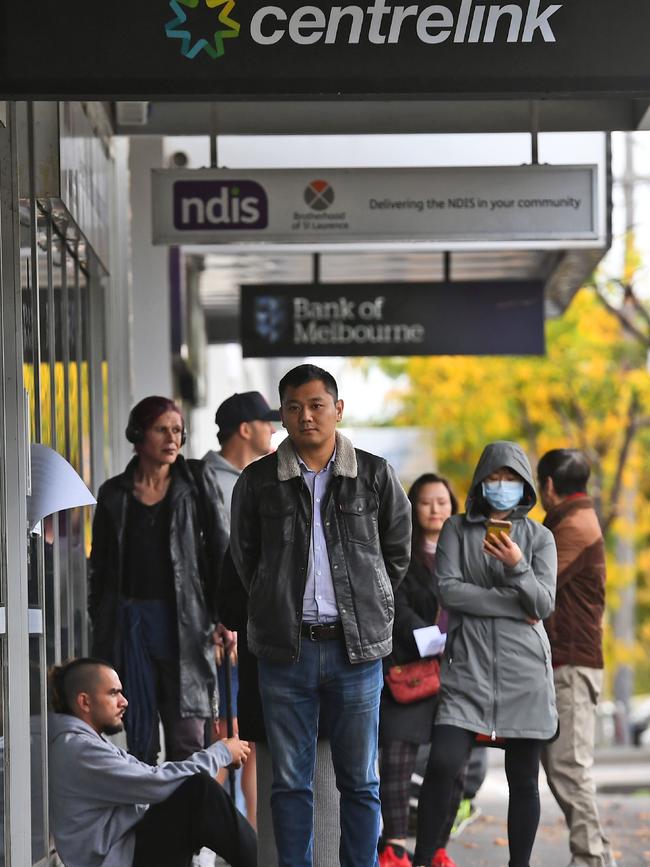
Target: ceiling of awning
{"points": [[322, 117], [220, 275]]}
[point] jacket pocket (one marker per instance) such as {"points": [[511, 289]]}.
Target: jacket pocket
{"points": [[360, 520], [277, 525], [543, 644], [387, 592]]}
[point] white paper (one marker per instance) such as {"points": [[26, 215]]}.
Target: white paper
{"points": [[55, 485], [430, 640]]}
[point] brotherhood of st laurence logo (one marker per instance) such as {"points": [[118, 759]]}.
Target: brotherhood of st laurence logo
{"points": [[193, 44]]}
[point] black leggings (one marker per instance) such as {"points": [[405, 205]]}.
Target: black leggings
{"points": [[198, 813], [450, 749], [396, 765]]}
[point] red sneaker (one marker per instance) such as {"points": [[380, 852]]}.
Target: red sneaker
{"points": [[441, 859], [389, 858]]}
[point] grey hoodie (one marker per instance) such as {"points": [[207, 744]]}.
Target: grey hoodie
{"points": [[98, 792], [227, 475], [497, 677]]}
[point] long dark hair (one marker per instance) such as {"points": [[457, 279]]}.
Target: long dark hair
{"points": [[417, 539]]}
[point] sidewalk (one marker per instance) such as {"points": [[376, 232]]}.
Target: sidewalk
{"points": [[625, 812]]}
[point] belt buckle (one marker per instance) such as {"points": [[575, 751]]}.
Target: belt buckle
{"points": [[312, 634]]}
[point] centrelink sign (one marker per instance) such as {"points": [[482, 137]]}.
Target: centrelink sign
{"points": [[229, 49], [383, 23]]}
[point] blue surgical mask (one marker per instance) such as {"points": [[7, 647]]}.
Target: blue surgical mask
{"points": [[504, 495]]}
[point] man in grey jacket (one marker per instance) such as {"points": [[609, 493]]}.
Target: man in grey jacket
{"points": [[108, 809], [245, 429]]}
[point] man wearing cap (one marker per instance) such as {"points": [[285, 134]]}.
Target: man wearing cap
{"points": [[244, 435]]}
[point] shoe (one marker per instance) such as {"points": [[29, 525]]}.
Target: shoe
{"points": [[394, 856], [441, 859], [467, 813]]}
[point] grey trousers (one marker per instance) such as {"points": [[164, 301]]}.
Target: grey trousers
{"points": [[327, 829], [568, 762]]}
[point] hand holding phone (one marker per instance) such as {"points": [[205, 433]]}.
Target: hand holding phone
{"points": [[496, 528], [498, 544]]}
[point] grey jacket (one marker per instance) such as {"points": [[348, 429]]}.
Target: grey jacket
{"points": [[98, 792], [366, 519], [497, 677], [226, 474]]}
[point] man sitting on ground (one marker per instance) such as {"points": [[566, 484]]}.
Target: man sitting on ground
{"points": [[111, 810]]}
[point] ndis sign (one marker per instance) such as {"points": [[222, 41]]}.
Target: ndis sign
{"points": [[222, 204]]}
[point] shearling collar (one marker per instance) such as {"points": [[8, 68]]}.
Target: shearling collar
{"points": [[345, 462]]}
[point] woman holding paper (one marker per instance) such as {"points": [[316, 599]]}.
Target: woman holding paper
{"points": [[497, 680], [403, 727]]}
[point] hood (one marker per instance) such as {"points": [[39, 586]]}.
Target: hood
{"points": [[224, 465], [495, 455], [64, 723]]}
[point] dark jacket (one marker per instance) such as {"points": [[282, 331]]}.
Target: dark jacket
{"points": [[367, 523], [198, 539], [575, 629], [415, 607], [497, 677]]}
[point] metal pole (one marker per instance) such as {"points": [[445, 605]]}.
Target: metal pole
{"points": [[534, 132], [214, 157], [316, 269], [229, 720]]}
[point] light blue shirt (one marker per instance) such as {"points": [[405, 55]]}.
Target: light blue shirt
{"points": [[319, 602]]}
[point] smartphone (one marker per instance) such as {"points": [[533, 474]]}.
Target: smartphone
{"points": [[495, 528]]}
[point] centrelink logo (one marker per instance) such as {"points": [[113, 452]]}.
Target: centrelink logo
{"points": [[191, 44], [381, 23]]}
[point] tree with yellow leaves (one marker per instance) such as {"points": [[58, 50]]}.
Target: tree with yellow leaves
{"points": [[591, 391]]}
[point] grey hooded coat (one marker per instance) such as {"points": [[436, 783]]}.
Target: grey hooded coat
{"points": [[497, 678]]}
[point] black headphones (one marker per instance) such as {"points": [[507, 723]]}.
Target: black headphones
{"points": [[135, 434]]}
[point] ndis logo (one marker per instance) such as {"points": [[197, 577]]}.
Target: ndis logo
{"points": [[204, 28], [220, 205]]}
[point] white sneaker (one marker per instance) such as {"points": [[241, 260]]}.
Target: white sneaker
{"points": [[205, 858]]}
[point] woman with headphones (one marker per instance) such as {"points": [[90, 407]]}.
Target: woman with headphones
{"points": [[159, 535]]}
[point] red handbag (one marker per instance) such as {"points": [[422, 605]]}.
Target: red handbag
{"points": [[413, 681]]}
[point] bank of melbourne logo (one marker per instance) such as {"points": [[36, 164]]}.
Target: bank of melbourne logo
{"points": [[191, 43], [271, 317], [214, 204], [319, 195]]}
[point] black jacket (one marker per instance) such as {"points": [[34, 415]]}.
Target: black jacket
{"points": [[415, 606], [367, 524], [198, 540]]}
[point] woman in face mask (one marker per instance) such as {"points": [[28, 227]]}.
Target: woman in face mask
{"points": [[497, 680]]}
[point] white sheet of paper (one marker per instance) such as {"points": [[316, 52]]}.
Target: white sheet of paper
{"points": [[430, 640], [55, 485]]}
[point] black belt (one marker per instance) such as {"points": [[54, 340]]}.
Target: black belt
{"points": [[321, 631]]}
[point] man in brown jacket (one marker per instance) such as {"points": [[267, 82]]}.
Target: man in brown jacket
{"points": [[576, 636]]}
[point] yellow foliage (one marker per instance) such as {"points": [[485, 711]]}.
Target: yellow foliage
{"points": [[578, 395]]}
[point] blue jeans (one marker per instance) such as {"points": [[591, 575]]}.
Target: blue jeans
{"points": [[292, 695]]}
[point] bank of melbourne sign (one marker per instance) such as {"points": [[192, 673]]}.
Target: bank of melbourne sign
{"points": [[513, 204], [505, 318], [224, 49]]}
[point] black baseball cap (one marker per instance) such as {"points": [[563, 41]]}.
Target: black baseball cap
{"points": [[246, 406]]}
